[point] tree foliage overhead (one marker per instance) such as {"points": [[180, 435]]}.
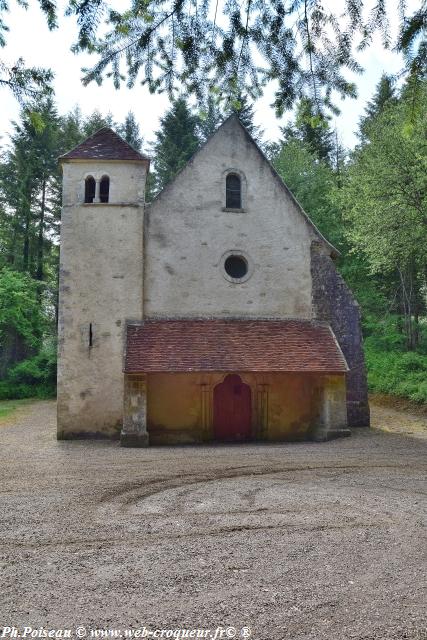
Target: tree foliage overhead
{"points": [[25, 81], [226, 46], [191, 42], [412, 41], [206, 45]]}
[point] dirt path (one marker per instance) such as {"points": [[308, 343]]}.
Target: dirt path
{"points": [[296, 541], [393, 420]]}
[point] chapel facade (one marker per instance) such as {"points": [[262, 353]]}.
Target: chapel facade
{"points": [[214, 313]]}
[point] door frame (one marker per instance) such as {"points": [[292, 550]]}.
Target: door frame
{"points": [[259, 401], [249, 404]]}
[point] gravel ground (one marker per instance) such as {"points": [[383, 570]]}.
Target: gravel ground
{"points": [[313, 541], [393, 420]]}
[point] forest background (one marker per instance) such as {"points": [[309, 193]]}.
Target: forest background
{"points": [[369, 201]]}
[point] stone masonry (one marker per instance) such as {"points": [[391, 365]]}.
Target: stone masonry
{"points": [[333, 302]]}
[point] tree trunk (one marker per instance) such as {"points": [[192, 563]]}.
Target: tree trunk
{"points": [[26, 211], [40, 239], [26, 247]]}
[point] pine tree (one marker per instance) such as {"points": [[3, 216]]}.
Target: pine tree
{"points": [[30, 186], [176, 141], [210, 118], [97, 121], [338, 158], [385, 95], [71, 129], [312, 129], [30, 200], [130, 132], [243, 108]]}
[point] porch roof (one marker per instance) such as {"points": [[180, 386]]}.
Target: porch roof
{"points": [[232, 345]]}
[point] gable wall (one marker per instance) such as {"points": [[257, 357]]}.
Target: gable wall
{"points": [[187, 233]]}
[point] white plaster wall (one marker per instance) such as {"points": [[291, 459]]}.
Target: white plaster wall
{"points": [[100, 283], [187, 233]]}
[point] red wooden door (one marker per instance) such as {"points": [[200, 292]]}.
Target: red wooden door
{"points": [[232, 410]]}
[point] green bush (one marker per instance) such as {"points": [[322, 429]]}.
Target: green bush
{"points": [[384, 335], [396, 373], [31, 378]]}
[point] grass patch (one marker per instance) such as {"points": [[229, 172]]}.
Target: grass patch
{"points": [[9, 407]]}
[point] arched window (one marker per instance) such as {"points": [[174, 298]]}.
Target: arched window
{"points": [[104, 189], [233, 191], [89, 189]]}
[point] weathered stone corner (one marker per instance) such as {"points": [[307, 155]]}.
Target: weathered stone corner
{"points": [[134, 432], [323, 435], [134, 440], [334, 303]]}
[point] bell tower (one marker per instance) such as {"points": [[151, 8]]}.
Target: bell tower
{"points": [[100, 280]]}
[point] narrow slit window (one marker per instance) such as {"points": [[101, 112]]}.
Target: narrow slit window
{"points": [[90, 335], [89, 189], [233, 191], [104, 189]]}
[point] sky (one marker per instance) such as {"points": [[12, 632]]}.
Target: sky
{"points": [[30, 38]]}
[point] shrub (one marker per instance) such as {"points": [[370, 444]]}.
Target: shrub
{"points": [[396, 373], [31, 378]]}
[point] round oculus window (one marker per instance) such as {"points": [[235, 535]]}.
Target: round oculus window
{"points": [[236, 267]]}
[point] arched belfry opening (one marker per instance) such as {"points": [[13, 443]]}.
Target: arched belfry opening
{"points": [[104, 189], [90, 187]]}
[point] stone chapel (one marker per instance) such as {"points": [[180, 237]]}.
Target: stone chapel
{"points": [[214, 313]]}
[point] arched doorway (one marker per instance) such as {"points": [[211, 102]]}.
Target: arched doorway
{"points": [[232, 410]]}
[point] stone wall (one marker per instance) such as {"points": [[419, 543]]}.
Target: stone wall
{"points": [[134, 431], [333, 302], [100, 287]]}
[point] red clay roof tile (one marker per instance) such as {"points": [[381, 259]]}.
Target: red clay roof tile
{"points": [[105, 144], [232, 345]]}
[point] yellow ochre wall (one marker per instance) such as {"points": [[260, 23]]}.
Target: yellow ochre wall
{"points": [[285, 406]]}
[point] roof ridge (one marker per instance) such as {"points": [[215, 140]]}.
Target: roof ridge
{"points": [[226, 319]]}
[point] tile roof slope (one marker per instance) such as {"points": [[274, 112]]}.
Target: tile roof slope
{"points": [[105, 144], [232, 345]]}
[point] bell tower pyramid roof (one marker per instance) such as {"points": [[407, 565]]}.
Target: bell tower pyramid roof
{"points": [[105, 144]]}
